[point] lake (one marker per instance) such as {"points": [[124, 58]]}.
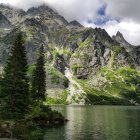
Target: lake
{"points": [[97, 123], [93, 123]]}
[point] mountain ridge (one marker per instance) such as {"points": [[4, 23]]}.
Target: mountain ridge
{"points": [[85, 52]]}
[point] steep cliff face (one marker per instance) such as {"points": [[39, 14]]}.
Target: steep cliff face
{"points": [[99, 65], [4, 22], [133, 51]]}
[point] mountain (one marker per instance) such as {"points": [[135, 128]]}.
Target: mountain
{"points": [[83, 65]]}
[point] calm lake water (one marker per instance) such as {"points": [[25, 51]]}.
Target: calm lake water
{"points": [[93, 123], [97, 123]]}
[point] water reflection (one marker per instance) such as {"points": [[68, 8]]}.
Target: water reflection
{"points": [[102, 123], [89, 123]]}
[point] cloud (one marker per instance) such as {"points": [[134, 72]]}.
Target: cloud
{"points": [[130, 30], [71, 9], [79, 10], [126, 9], [23, 4], [112, 15]]}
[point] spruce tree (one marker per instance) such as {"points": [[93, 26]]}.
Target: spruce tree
{"points": [[15, 88], [39, 79]]}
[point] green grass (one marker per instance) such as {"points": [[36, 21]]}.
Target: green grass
{"points": [[31, 69], [54, 73], [86, 43], [122, 85], [61, 100]]}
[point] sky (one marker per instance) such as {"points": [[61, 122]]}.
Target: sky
{"points": [[112, 15]]}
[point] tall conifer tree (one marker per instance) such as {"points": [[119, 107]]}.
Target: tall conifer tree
{"points": [[15, 88], [39, 79]]}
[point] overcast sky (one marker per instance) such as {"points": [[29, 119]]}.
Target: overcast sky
{"points": [[112, 15]]}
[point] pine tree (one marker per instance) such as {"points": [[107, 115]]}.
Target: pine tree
{"points": [[39, 79], [15, 88]]}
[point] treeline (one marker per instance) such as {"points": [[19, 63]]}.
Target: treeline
{"points": [[21, 97]]}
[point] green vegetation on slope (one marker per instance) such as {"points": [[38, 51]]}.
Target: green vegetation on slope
{"points": [[61, 100], [118, 87]]}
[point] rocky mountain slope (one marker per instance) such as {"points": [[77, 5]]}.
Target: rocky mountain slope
{"points": [[83, 65]]}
